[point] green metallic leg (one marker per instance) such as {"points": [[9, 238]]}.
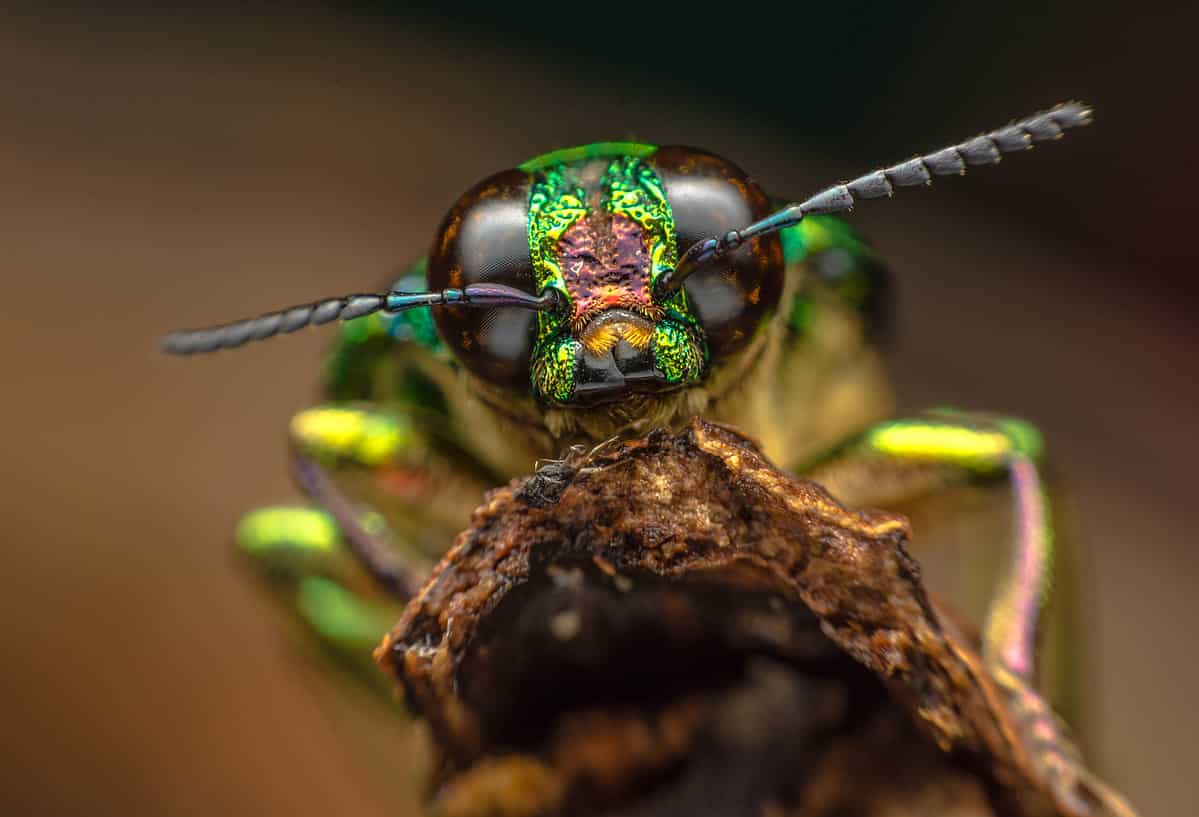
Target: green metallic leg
{"points": [[365, 535], [332, 444], [419, 490], [317, 584], [335, 616], [338, 573], [339, 570], [903, 460], [900, 460]]}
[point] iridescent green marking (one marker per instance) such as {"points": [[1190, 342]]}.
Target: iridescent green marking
{"points": [[596, 150], [336, 432], [675, 354], [632, 189], [554, 368], [555, 204], [340, 617], [303, 530]]}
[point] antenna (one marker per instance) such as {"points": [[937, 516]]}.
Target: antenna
{"points": [[346, 308], [951, 161]]}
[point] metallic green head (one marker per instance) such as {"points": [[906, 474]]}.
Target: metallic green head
{"points": [[600, 226]]}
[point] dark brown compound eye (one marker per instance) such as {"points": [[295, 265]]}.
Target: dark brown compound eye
{"points": [[484, 238], [731, 296]]}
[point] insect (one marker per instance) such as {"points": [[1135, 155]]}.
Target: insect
{"points": [[600, 292]]}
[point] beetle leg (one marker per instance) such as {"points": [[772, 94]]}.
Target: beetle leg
{"points": [[301, 557], [1054, 757], [902, 461], [365, 535], [344, 568], [351, 458]]}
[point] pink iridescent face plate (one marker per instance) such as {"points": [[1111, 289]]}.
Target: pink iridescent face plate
{"points": [[605, 265]]}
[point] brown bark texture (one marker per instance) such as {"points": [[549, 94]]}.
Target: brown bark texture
{"points": [[673, 626]]}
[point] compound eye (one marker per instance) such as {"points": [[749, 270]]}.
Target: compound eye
{"points": [[484, 238], [734, 295]]}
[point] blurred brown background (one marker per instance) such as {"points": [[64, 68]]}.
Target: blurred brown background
{"points": [[169, 169]]}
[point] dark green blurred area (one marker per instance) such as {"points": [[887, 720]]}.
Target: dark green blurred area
{"points": [[173, 167]]}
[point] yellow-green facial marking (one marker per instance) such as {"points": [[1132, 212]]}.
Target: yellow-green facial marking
{"points": [[554, 205], [554, 367], [632, 189], [601, 232], [676, 354]]}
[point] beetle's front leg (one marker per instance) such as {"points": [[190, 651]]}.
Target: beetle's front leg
{"points": [[903, 460]]}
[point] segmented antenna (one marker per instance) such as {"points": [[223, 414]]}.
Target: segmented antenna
{"points": [[348, 307], [953, 160]]}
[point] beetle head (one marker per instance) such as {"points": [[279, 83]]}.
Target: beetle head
{"points": [[600, 226]]}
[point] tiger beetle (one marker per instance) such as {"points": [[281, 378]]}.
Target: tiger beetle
{"points": [[600, 292]]}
